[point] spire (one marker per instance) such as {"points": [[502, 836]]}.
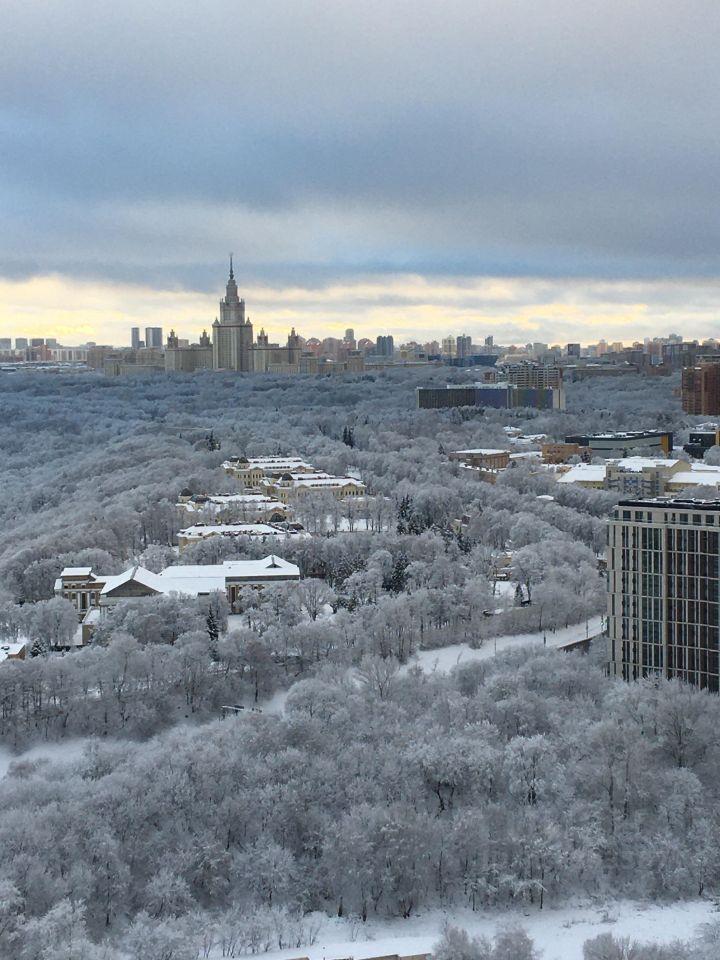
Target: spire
{"points": [[231, 291]]}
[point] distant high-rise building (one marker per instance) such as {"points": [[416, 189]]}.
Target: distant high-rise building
{"points": [[490, 341], [463, 346], [21, 343], [51, 342], [135, 338], [37, 342], [349, 334], [700, 389], [153, 337], [5, 343], [385, 346], [573, 349], [448, 346], [533, 375]]}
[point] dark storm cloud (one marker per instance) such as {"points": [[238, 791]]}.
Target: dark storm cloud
{"points": [[139, 142]]}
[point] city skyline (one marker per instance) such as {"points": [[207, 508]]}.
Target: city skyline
{"points": [[559, 178]]}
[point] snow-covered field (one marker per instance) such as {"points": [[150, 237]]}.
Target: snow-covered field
{"points": [[558, 934], [445, 658]]}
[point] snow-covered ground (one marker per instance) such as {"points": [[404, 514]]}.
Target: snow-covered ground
{"points": [[63, 751], [445, 658], [558, 933], [504, 589]]}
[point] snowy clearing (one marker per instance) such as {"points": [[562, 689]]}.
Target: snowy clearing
{"points": [[559, 934], [62, 751], [445, 658]]}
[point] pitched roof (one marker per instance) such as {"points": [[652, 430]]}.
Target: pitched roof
{"points": [[134, 575]]}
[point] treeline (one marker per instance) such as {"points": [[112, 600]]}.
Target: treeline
{"points": [[520, 780], [131, 690]]}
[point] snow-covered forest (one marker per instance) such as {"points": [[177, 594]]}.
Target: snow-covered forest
{"points": [[360, 786]]}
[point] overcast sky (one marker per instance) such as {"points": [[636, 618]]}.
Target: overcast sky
{"points": [[534, 169]]}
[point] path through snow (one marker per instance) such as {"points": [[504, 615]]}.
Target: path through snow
{"points": [[559, 934], [445, 658]]}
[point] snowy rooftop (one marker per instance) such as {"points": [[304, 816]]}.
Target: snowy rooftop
{"points": [[76, 572], [223, 498], [317, 480], [707, 476], [267, 463], [135, 574], [631, 435], [12, 648], [584, 473], [636, 464], [267, 568], [484, 451], [255, 502], [327, 481], [530, 438], [197, 579], [233, 529]]}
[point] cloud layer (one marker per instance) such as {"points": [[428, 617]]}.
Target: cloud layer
{"points": [[326, 143], [513, 309]]}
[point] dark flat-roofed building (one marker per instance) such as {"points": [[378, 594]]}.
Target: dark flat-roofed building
{"points": [[499, 396], [651, 442]]}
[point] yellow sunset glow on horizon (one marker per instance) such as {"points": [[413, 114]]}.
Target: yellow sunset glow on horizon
{"points": [[514, 310]]}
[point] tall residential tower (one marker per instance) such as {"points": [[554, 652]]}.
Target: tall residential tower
{"points": [[663, 590]]}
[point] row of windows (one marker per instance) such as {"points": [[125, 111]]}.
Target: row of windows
{"points": [[699, 677], [684, 561], [646, 607], [692, 611], [639, 516], [646, 585], [692, 588], [692, 540], [699, 628]]}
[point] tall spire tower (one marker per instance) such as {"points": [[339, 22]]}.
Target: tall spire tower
{"points": [[232, 334]]}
